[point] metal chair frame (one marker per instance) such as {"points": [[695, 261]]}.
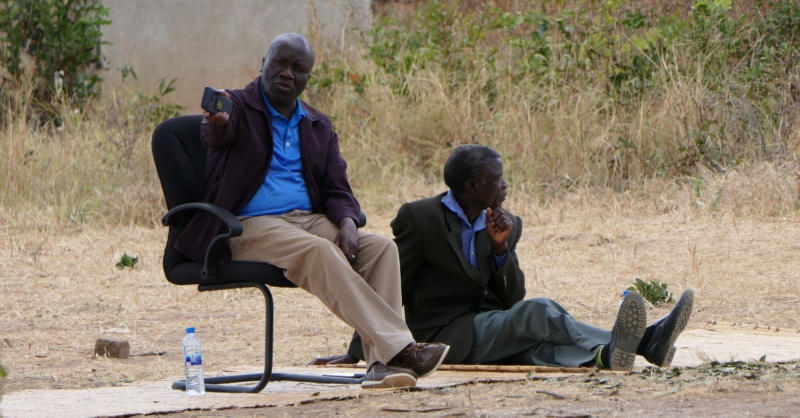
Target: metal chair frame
{"points": [[221, 383]]}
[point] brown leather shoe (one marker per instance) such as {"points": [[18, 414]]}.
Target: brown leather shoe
{"points": [[423, 359], [380, 376]]}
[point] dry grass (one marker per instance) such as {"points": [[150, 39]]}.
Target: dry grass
{"points": [[553, 136], [96, 168]]}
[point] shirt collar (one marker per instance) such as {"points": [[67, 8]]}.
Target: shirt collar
{"points": [[299, 112], [450, 202]]}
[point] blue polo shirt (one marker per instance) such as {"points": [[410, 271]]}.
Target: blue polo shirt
{"points": [[284, 189], [468, 231]]}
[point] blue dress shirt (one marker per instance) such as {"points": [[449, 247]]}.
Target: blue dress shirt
{"points": [[468, 232], [284, 189]]}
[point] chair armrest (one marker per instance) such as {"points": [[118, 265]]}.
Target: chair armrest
{"points": [[362, 220], [211, 263]]}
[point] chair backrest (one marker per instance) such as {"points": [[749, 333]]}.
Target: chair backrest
{"points": [[180, 160]]}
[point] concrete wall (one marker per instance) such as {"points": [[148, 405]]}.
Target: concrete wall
{"points": [[218, 43]]}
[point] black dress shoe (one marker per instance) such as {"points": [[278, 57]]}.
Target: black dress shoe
{"points": [[658, 346], [627, 333]]}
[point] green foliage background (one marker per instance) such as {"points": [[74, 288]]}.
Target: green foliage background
{"points": [[60, 38], [745, 62]]}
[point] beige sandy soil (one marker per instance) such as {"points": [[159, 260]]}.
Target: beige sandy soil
{"points": [[721, 391], [61, 291]]}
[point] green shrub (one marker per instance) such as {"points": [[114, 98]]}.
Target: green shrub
{"points": [[136, 115], [154, 107], [60, 38], [653, 292], [127, 261], [631, 55]]}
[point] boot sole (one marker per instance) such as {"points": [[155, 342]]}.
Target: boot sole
{"points": [[629, 329], [441, 360], [394, 381], [664, 357]]}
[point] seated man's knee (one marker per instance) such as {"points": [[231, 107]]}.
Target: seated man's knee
{"points": [[321, 247], [537, 304], [384, 244], [388, 245]]}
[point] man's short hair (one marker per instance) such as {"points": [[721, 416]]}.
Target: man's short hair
{"points": [[467, 162], [284, 37]]}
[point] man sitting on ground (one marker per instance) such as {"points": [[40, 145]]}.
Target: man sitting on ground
{"points": [[462, 285], [275, 163]]}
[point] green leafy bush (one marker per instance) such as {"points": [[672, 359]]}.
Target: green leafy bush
{"points": [[59, 39], [154, 107], [137, 115], [653, 292], [745, 62], [127, 261]]}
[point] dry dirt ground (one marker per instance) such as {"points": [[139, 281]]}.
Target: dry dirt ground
{"points": [[725, 390], [61, 291]]}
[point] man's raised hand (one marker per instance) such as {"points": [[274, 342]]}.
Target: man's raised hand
{"points": [[498, 225], [219, 118]]}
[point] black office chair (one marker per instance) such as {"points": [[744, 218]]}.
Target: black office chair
{"points": [[180, 160]]}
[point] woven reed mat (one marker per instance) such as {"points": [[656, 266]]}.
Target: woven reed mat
{"points": [[721, 342]]}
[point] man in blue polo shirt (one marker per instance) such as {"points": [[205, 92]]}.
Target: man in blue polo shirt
{"points": [[275, 162], [283, 189]]}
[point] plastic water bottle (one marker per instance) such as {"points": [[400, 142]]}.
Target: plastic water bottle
{"points": [[194, 364]]}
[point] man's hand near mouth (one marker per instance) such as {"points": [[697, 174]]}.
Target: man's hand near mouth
{"points": [[498, 226]]}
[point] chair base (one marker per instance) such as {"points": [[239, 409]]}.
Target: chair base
{"points": [[222, 383]]}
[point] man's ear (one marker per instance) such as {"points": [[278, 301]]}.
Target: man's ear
{"points": [[470, 188]]}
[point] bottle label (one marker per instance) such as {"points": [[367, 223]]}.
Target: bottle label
{"points": [[194, 360]]}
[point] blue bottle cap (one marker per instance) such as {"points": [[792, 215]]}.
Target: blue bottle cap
{"points": [[190, 330]]}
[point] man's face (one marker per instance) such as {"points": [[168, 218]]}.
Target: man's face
{"points": [[285, 71], [491, 189]]}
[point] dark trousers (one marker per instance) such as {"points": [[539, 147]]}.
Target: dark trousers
{"points": [[534, 331]]}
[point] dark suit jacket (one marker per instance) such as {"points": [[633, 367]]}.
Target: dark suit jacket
{"points": [[239, 156], [442, 292]]}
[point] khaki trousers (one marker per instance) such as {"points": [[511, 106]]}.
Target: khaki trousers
{"points": [[365, 295]]}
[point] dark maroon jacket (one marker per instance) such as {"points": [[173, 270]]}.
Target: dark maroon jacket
{"points": [[239, 156]]}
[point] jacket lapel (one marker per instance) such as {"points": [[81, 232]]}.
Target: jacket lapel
{"points": [[483, 248], [454, 238], [306, 139]]}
